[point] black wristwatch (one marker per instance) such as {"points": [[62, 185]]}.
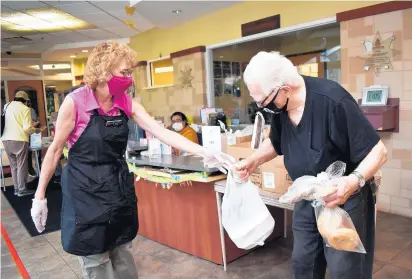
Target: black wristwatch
{"points": [[360, 178]]}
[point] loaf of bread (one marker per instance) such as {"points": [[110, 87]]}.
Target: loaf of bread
{"points": [[331, 227], [344, 239], [328, 222]]}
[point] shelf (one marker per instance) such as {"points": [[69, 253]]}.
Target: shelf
{"points": [[383, 118]]}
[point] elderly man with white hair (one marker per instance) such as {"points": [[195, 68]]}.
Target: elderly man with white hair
{"points": [[315, 123]]}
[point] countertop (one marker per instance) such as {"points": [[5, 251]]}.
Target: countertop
{"points": [[189, 163]]}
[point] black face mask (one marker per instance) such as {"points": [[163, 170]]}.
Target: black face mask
{"points": [[272, 108]]}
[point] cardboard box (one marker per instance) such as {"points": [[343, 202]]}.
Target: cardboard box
{"points": [[271, 176], [233, 140]]}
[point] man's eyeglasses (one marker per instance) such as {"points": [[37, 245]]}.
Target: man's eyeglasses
{"points": [[261, 104]]}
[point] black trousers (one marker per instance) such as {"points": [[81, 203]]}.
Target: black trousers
{"points": [[30, 162], [311, 256]]}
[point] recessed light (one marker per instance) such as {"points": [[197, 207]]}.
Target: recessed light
{"points": [[85, 50], [41, 20], [177, 11], [51, 67], [72, 56]]}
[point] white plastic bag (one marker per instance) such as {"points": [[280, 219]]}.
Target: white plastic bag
{"points": [[334, 224], [245, 217]]}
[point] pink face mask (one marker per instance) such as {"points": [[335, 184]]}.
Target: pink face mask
{"points": [[118, 85]]}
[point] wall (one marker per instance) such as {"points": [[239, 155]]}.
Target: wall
{"points": [[78, 66], [188, 97], [225, 24], [395, 193]]}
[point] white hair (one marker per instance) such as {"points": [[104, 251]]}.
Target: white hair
{"points": [[269, 70]]}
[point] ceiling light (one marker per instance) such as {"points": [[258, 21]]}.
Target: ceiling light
{"points": [[85, 50], [51, 67], [72, 56], [41, 20], [177, 11]]}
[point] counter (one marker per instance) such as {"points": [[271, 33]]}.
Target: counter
{"points": [[184, 216], [188, 163]]}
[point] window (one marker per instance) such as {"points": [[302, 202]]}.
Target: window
{"points": [[160, 72]]}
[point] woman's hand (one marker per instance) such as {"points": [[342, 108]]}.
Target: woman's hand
{"points": [[346, 185], [219, 160], [39, 212], [246, 167]]}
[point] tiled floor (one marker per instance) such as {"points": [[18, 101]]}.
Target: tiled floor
{"points": [[44, 258]]}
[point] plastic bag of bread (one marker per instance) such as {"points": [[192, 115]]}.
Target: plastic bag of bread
{"points": [[314, 187], [337, 229], [334, 224]]}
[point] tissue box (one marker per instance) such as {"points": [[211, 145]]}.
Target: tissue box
{"points": [[155, 148], [271, 176]]}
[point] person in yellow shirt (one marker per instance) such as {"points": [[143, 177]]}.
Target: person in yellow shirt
{"points": [[180, 125], [17, 130]]}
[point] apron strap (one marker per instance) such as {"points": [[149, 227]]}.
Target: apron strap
{"points": [[96, 112]]}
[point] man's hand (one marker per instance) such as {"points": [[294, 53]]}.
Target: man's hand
{"points": [[346, 185], [246, 167]]}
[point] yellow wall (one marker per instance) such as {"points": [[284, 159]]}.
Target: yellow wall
{"points": [[225, 24], [162, 78], [79, 66]]}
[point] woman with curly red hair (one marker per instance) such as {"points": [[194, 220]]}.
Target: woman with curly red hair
{"points": [[99, 209]]}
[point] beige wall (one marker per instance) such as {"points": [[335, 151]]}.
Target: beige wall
{"points": [[395, 193], [163, 101]]}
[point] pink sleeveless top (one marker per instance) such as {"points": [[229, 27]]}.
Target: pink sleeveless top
{"points": [[85, 103]]}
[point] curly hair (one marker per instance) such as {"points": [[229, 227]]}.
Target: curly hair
{"points": [[103, 59]]}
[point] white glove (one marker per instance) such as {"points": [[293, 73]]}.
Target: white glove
{"points": [[219, 160], [39, 214]]}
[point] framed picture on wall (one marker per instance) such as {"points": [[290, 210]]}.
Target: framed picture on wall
{"points": [[217, 83], [226, 68], [217, 69], [236, 69]]}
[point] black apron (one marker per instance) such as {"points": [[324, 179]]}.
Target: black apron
{"points": [[99, 209]]}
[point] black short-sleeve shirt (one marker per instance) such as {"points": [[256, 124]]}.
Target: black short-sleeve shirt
{"points": [[332, 128]]}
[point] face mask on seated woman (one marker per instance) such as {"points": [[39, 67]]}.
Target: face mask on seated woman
{"points": [[178, 126]]}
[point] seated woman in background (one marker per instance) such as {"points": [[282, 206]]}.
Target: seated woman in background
{"points": [[179, 125]]}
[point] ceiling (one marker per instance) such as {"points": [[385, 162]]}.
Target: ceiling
{"points": [[96, 20]]}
